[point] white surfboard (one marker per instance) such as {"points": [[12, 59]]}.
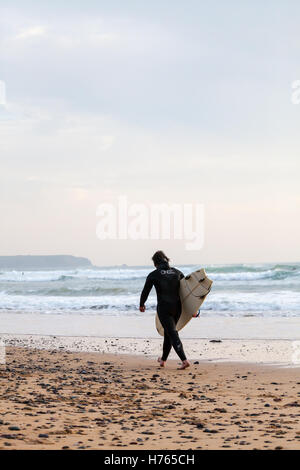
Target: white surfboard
{"points": [[193, 291]]}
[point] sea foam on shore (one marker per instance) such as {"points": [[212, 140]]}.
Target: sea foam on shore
{"points": [[273, 352]]}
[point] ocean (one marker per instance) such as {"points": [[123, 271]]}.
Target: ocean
{"points": [[239, 290]]}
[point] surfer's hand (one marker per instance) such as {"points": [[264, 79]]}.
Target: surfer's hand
{"points": [[142, 308]]}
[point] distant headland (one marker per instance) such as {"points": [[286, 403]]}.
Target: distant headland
{"points": [[28, 262]]}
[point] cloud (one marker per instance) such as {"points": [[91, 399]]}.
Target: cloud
{"points": [[101, 101], [31, 32]]}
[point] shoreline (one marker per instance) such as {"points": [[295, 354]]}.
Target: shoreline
{"points": [[280, 353], [205, 327], [53, 399]]}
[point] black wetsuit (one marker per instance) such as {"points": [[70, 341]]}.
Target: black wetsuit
{"points": [[166, 282]]}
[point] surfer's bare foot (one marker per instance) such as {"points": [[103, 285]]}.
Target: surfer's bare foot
{"points": [[161, 362], [184, 365]]}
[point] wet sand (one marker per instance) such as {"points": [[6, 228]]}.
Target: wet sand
{"points": [[82, 400], [279, 352]]}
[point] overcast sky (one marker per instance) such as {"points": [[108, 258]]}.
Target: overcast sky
{"points": [[164, 101]]}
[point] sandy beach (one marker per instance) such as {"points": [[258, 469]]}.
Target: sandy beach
{"points": [[57, 399], [283, 353], [149, 186]]}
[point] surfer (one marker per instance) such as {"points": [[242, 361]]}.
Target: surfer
{"points": [[166, 281]]}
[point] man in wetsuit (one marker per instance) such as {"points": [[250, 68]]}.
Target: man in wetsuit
{"points": [[166, 281]]}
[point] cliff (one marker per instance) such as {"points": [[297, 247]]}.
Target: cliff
{"points": [[28, 262]]}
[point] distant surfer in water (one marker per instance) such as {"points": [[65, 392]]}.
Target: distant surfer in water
{"points": [[166, 281]]}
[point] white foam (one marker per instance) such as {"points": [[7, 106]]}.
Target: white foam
{"points": [[271, 353]]}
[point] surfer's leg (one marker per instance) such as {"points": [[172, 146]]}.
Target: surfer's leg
{"points": [[169, 325], [166, 347], [185, 363], [177, 344]]}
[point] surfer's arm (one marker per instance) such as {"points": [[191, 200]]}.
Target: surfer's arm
{"points": [[146, 290]]}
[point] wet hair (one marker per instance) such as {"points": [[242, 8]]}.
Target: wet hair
{"points": [[159, 257]]}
